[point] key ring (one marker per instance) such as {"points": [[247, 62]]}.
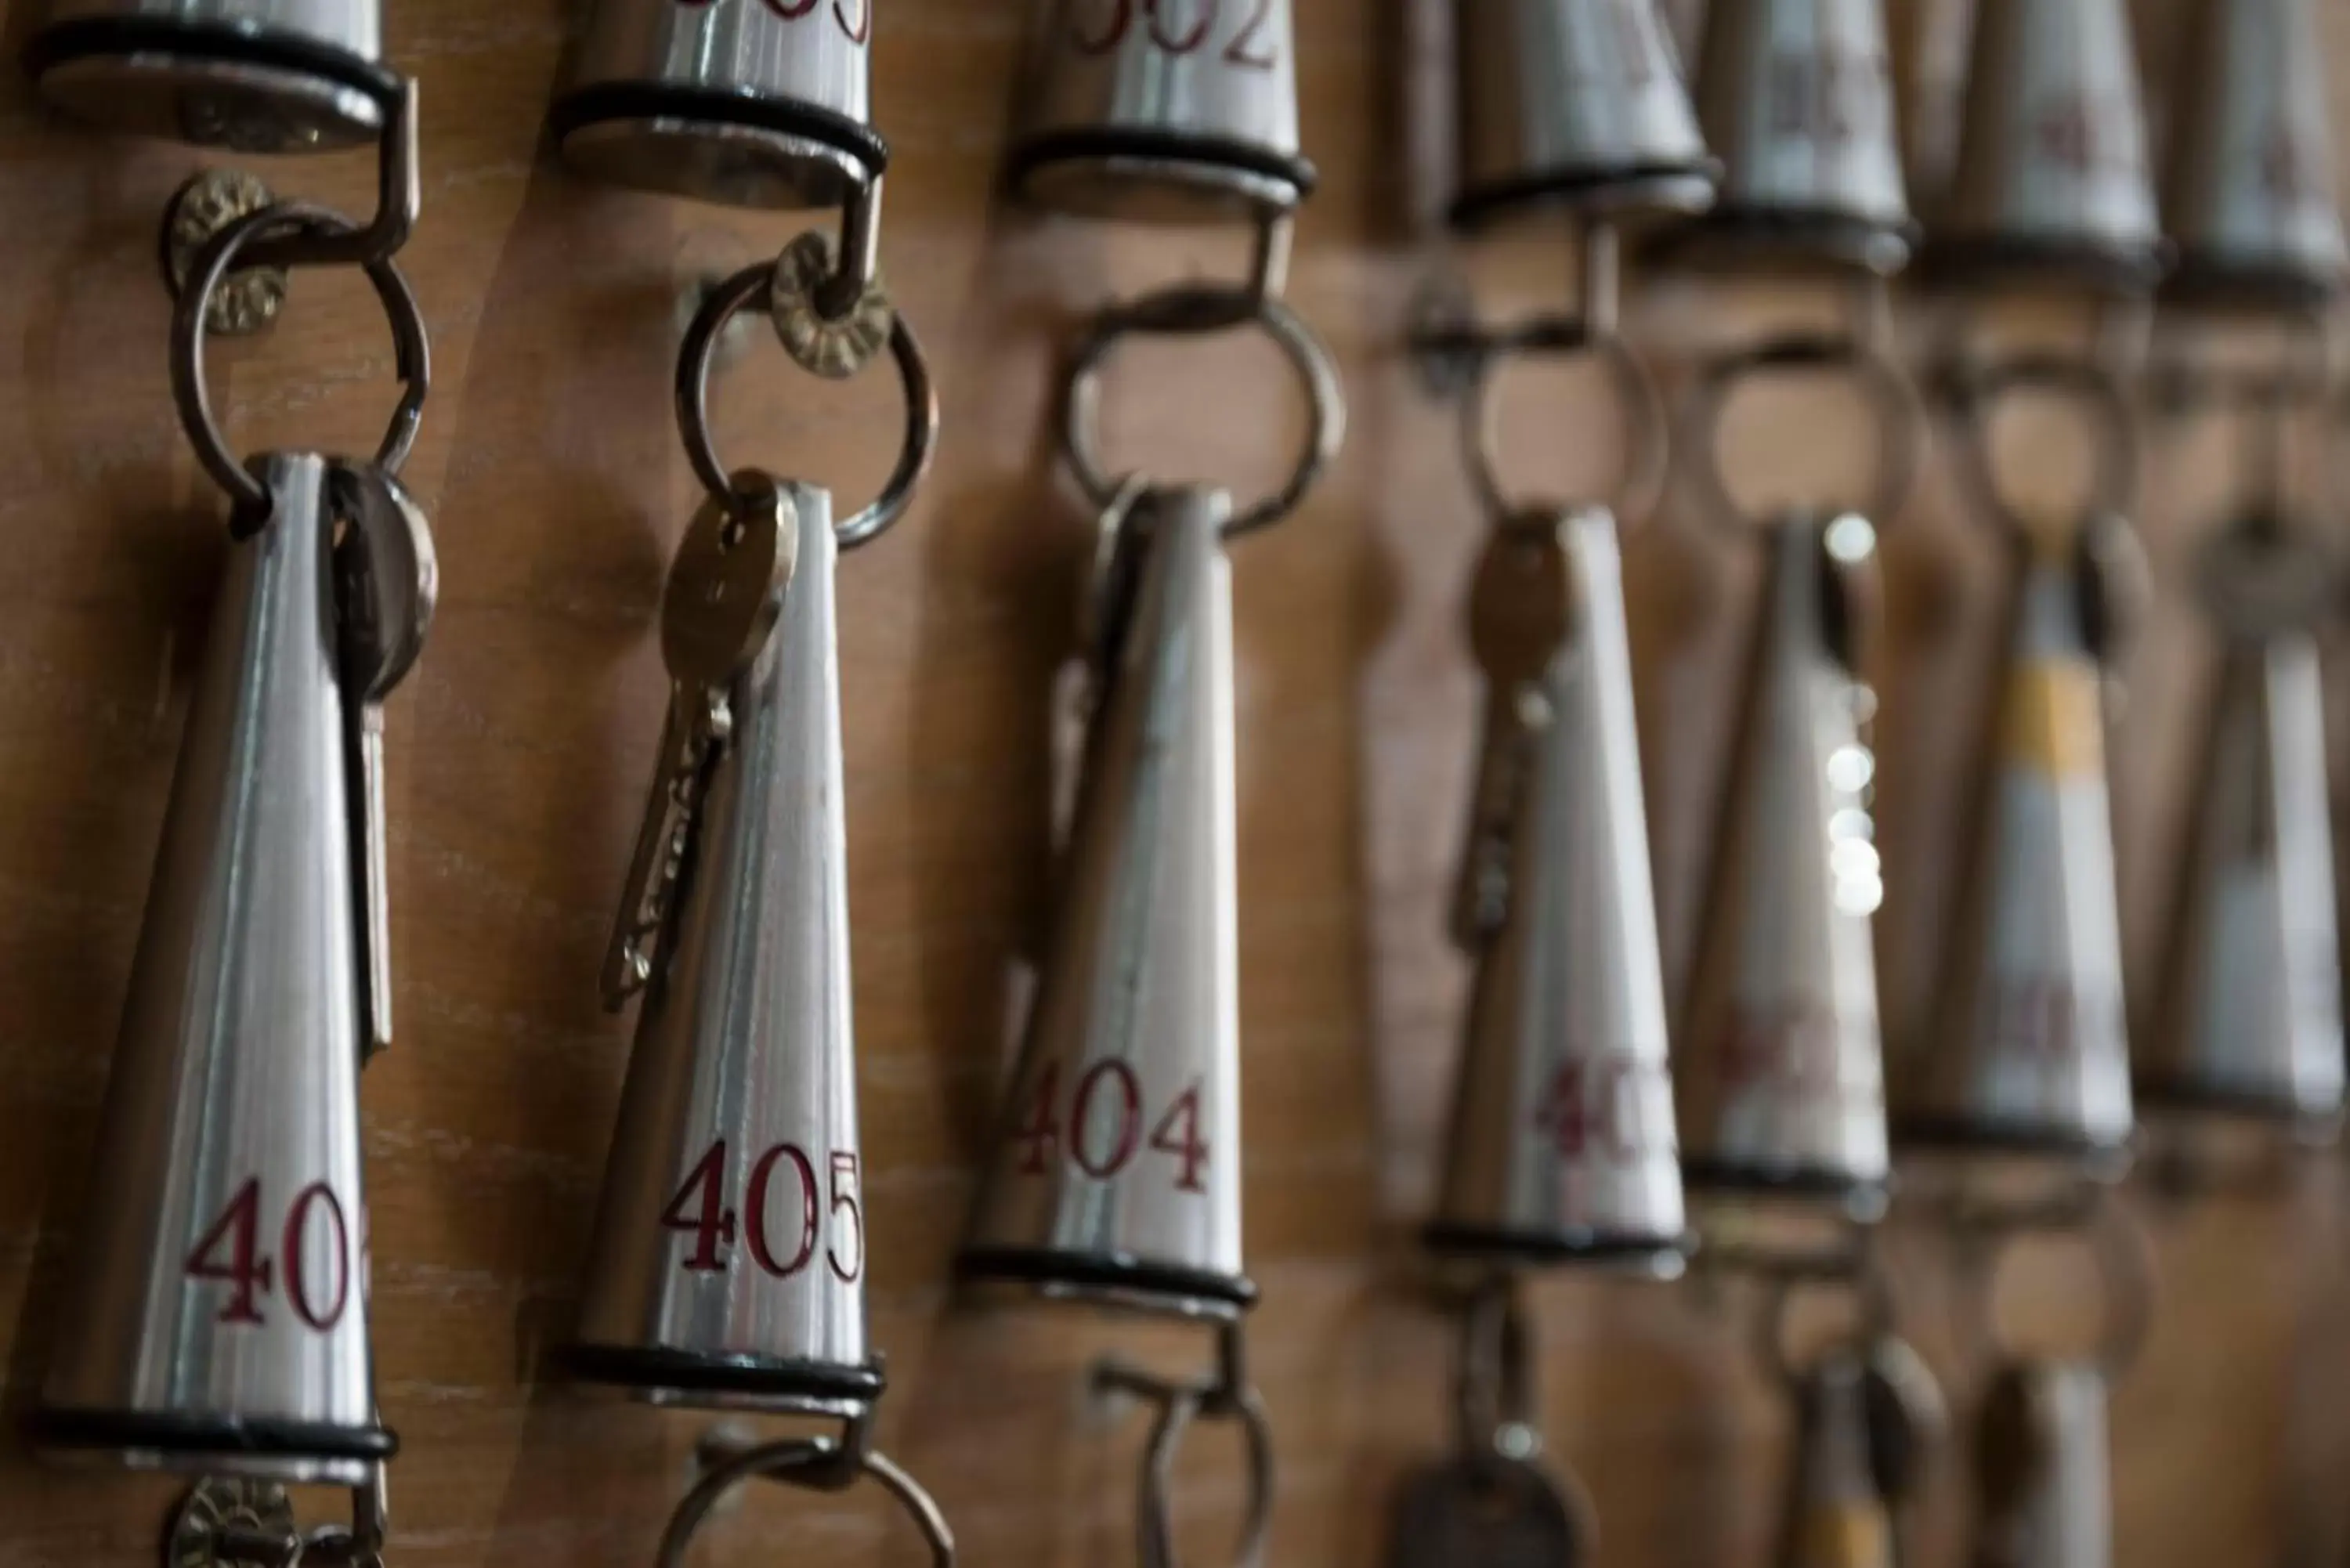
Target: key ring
{"points": [[2117, 1243], [753, 288], [412, 350], [824, 1464], [1193, 310], [1863, 1274], [1226, 1396], [1972, 389], [1641, 404], [1900, 420]]}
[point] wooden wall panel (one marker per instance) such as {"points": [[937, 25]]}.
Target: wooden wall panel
{"points": [[522, 747]]}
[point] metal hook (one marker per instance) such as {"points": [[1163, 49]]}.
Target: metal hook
{"points": [[1498, 1408], [400, 196], [1227, 1396]]}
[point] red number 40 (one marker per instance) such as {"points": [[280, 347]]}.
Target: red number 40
{"points": [[230, 1253], [1104, 1144]]}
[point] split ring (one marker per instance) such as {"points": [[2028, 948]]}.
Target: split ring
{"points": [[1641, 404], [1192, 310], [1975, 389], [784, 1461], [1177, 1411], [414, 353], [753, 290], [1873, 1296], [1899, 418], [2117, 1245]]}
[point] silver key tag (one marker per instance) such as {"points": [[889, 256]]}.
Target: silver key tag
{"points": [[387, 586], [1486, 1512], [725, 591]]}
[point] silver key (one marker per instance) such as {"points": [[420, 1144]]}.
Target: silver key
{"points": [[1520, 611], [725, 592], [387, 583]]}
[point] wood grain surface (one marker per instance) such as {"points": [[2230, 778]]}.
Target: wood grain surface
{"points": [[522, 748]]}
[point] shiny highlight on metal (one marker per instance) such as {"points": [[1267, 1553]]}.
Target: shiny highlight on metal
{"points": [[253, 76], [1562, 1144], [1116, 1174], [216, 1320], [2044, 1470], [729, 1256], [1135, 109], [2248, 1014], [2248, 196], [1575, 103], [2052, 177], [1780, 1073], [1795, 99], [743, 102]]}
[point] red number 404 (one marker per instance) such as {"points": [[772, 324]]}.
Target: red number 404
{"points": [[781, 1235], [1103, 1126]]}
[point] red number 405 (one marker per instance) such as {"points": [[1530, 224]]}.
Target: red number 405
{"points": [[778, 1246], [1104, 1142]]}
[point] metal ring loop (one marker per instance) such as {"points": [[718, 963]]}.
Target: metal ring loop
{"points": [[1190, 311], [412, 348], [780, 1460], [1973, 388], [1637, 396], [752, 289], [2123, 1253], [1900, 421], [1155, 1532], [1866, 1276]]}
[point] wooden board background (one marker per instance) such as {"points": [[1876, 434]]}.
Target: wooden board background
{"points": [[522, 746]]}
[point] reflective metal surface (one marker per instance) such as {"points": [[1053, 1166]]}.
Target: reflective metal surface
{"points": [[2248, 196], [1117, 1170], [1781, 1074], [1575, 103], [1795, 98], [2051, 175], [2028, 1046], [1142, 108], [729, 1258], [217, 1318], [1562, 1143], [2248, 1014], [258, 76], [729, 101]]}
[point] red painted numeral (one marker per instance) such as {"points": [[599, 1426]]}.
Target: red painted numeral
{"points": [[320, 1197], [238, 1230], [1129, 1119], [847, 1193], [1242, 49], [754, 1211], [1103, 1143], [857, 32], [1583, 1109], [1178, 1133], [1039, 1133], [710, 1222], [699, 1208]]}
